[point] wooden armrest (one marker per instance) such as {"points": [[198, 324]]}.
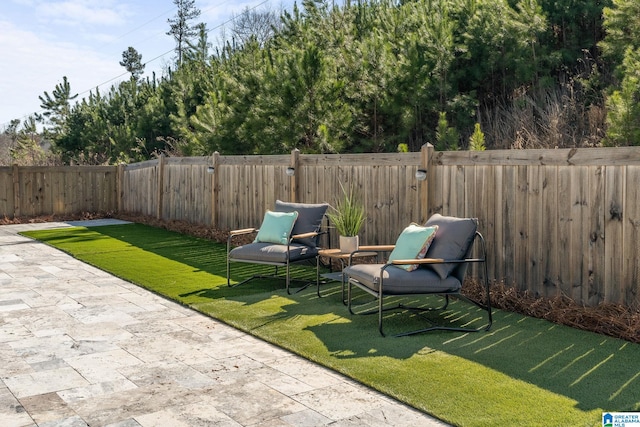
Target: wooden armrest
{"points": [[418, 261], [435, 261], [376, 248], [242, 231], [305, 235]]}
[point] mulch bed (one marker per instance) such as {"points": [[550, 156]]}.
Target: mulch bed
{"points": [[607, 319]]}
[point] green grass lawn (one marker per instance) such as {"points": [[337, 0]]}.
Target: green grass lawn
{"points": [[524, 371]]}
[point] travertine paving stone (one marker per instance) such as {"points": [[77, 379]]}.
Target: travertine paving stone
{"points": [[79, 347]]}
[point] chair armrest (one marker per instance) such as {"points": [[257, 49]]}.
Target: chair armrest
{"points": [[416, 261], [375, 248], [435, 261], [371, 248], [305, 235], [242, 231]]}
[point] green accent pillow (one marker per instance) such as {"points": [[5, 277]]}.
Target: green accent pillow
{"points": [[276, 227], [413, 243]]}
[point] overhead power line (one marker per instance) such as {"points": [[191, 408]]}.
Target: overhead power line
{"points": [[162, 55]]}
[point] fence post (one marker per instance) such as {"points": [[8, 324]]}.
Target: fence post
{"points": [[214, 188], [160, 191], [426, 152], [119, 185], [295, 162], [16, 190]]}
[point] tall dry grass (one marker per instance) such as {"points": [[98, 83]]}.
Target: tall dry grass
{"points": [[556, 117]]}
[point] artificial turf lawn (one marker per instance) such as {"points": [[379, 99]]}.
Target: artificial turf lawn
{"points": [[524, 371]]}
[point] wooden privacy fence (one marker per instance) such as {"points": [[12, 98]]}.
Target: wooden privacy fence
{"points": [[555, 221], [45, 190], [229, 192]]}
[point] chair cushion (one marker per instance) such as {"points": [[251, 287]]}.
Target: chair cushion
{"points": [[413, 242], [271, 253], [452, 240], [397, 281], [276, 227], [309, 218]]}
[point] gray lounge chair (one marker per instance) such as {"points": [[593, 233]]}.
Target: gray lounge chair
{"points": [[440, 272], [300, 243]]}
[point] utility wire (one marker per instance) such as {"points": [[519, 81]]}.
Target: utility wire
{"points": [[173, 49], [231, 19]]}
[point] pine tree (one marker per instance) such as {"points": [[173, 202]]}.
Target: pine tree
{"points": [[476, 141], [180, 27], [132, 62], [57, 107]]}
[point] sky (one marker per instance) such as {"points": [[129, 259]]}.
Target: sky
{"points": [[43, 40]]}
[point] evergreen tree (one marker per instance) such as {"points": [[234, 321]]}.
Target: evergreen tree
{"points": [[447, 137], [132, 62], [623, 105], [56, 108], [28, 150], [476, 141], [180, 25], [363, 77], [622, 46]]}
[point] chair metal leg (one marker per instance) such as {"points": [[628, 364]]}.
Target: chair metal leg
{"points": [[486, 306], [380, 300], [286, 277], [318, 276]]}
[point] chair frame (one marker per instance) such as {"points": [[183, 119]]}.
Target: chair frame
{"points": [[286, 263], [380, 294]]}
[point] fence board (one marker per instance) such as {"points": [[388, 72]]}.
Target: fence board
{"points": [[614, 233], [593, 290], [509, 225], [564, 234], [631, 247], [550, 264], [579, 231], [534, 229], [521, 228]]}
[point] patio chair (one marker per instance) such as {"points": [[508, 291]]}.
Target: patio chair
{"points": [[446, 243], [287, 235]]}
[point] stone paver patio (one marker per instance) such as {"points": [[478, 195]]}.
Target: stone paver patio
{"points": [[79, 347]]}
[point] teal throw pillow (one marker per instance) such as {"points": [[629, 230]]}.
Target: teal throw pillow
{"points": [[413, 243], [276, 227]]}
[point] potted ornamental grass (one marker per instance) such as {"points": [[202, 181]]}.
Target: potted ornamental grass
{"points": [[348, 217]]}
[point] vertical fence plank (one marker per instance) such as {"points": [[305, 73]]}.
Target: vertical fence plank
{"points": [[6, 192], [16, 191], [564, 231], [614, 236], [549, 214], [435, 186], [631, 245], [496, 258], [521, 228], [579, 231], [593, 290], [510, 232], [534, 230]]}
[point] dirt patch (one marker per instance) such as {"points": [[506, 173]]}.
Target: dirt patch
{"points": [[607, 319]]}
